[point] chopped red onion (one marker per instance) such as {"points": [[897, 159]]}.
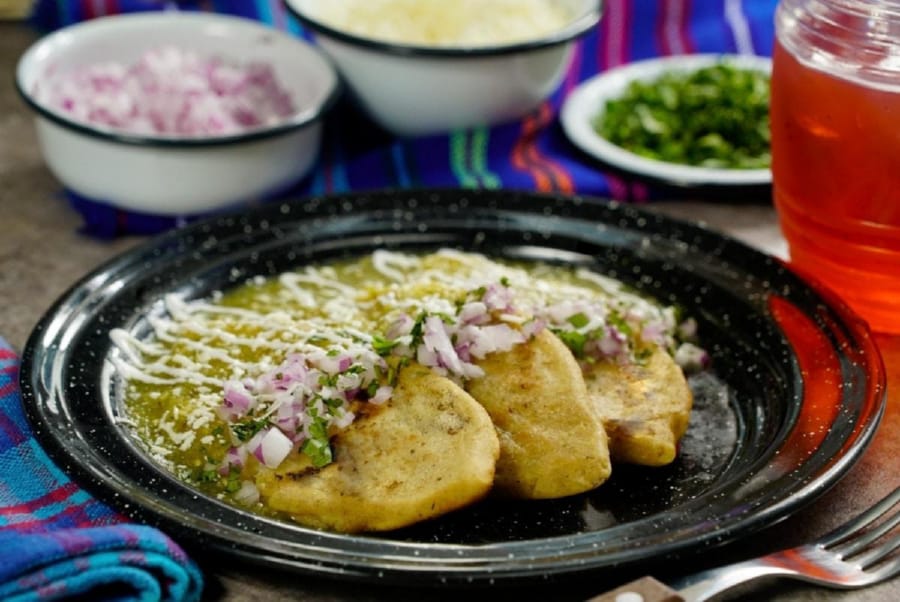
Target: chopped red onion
{"points": [[248, 494], [235, 458], [473, 313], [382, 394], [691, 358], [237, 401], [274, 446], [170, 91], [498, 298], [400, 327]]}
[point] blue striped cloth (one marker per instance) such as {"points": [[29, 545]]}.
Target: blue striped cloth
{"points": [[58, 542], [529, 154]]}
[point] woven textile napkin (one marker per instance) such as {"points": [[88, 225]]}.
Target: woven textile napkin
{"points": [[57, 542], [529, 154]]}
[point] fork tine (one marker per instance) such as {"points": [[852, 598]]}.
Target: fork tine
{"points": [[885, 570], [853, 545], [875, 555], [860, 522]]}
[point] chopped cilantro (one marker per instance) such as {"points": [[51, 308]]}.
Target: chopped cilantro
{"points": [[245, 430], [328, 380], [417, 330], [616, 320], [574, 341], [643, 354], [233, 481], [318, 451], [383, 346], [578, 320], [207, 476], [716, 116], [332, 402]]}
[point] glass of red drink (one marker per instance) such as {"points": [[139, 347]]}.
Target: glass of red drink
{"points": [[835, 119]]}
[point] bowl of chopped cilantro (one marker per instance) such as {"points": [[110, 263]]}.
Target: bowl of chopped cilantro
{"points": [[686, 120]]}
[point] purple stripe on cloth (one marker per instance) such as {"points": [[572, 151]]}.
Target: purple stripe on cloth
{"points": [[56, 540]]}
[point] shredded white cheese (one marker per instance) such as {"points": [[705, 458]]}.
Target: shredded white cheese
{"points": [[441, 23]]}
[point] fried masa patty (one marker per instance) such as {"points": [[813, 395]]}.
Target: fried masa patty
{"points": [[428, 450]]}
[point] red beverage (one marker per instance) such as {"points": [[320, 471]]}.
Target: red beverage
{"points": [[836, 161]]}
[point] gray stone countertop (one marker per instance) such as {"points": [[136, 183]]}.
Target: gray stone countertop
{"points": [[42, 254]]}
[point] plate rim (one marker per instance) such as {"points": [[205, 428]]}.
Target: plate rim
{"points": [[426, 570], [582, 104]]}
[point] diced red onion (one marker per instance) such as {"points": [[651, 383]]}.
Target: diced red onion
{"points": [[426, 357], [344, 419], [235, 457], [436, 339], [498, 298], [533, 327], [400, 327], [236, 402], [273, 448], [496, 337], [688, 329], [248, 494], [654, 332], [382, 394], [473, 313], [463, 350], [286, 416], [170, 91], [691, 357]]}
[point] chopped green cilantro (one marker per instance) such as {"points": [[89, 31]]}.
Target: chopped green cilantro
{"points": [[716, 116], [319, 452], [317, 447], [245, 430], [207, 476], [574, 341], [578, 320], [417, 330], [383, 346], [618, 322]]}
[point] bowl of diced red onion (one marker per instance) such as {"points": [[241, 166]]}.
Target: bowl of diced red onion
{"points": [[177, 113]]}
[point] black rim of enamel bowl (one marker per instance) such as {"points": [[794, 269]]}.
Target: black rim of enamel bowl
{"points": [[297, 122], [575, 28]]}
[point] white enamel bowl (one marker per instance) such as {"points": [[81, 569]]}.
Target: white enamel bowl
{"points": [[415, 90], [179, 176]]}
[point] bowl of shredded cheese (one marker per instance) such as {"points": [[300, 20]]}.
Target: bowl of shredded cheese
{"points": [[421, 67], [176, 113]]}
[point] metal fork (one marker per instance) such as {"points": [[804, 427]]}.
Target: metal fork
{"points": [[849, 557]]}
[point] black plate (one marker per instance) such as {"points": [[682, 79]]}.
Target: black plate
{"points": [[795, 394]]}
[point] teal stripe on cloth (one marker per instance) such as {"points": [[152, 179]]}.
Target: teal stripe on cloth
{"points": [[56, 540]]}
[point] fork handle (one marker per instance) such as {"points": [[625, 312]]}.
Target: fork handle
{"points": [[645, 589]]}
